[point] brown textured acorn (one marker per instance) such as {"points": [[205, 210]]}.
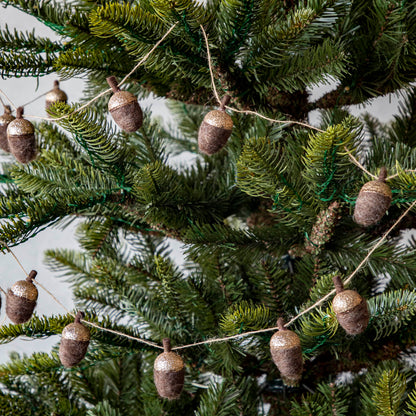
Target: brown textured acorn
{"points": [[55, 95], [124, 108], [21, 137], [74, 342], [215, 129], [286, 352], [373, 201], [5, 120], [21, 299], [350, 308], [169, 373]]}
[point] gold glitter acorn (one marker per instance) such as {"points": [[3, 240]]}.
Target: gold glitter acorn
{"points": [[55, 95], [21, 137], [169, 373], [5, 120], [350, 308], [373, 201], [74, 342], [215, 129], [124, 108], [286, 353], [21, 299]]}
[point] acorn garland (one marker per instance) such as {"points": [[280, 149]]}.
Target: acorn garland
{"points": [[21, 299], [124, 108], [286, 353], [373, 201], [215, 129], [21, 138], [74, 342], [5, 120], [350, 309], [55, 95], [169, 373]]}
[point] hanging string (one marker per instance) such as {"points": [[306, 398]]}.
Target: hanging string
{"points": [[359, 267], [214, 88], [246, 111], [8, 99], [243, 334], [397, 174], [357, 163], [144, 341], [239, 335], [35, 99], [2, 102], [250, 112], [105, 92]]}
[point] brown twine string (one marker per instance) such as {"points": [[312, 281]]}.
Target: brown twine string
{"points": [[123, 81], [214, 88], [243, 334], [215, 340], [2, 103], [35, 99], [144, 341], [8, 99]]}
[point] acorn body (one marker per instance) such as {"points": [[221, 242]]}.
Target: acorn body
{"points": [[169, 373], [350, 309], [21, 138], [373, 201], [74, 343], [124, 108], [21, 300], [286, 353], [5, 120], [215, 130], [55, 95]]}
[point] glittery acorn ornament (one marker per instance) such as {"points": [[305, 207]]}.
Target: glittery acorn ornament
{"points": [[5, 120], [21, 299], [74, 342], [169, 373], [21, 137], [55, 95], [124, 108], [350, 308], [286, 352], [215, 129], [373, 201]]}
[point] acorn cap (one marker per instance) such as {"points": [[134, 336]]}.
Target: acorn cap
{"points": [[120, 99], [284, 339], [76, 332], [220, 119], [20, 126], [168, 360], [25, 289], [378, 187], [346, 301], [55, 95]]}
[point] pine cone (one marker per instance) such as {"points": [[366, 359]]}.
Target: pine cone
{"points": [[323, 228]]}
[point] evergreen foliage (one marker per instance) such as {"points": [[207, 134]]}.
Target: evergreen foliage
{"points": [[251, 218]]}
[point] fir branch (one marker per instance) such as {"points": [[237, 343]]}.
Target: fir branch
{"points": [[388, 393], [19, 64]]}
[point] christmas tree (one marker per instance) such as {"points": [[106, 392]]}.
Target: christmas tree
{"points": [[271, 218]]}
